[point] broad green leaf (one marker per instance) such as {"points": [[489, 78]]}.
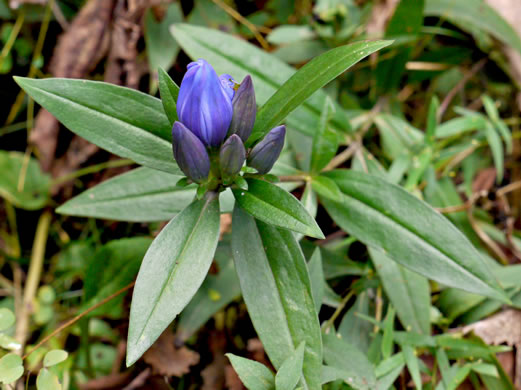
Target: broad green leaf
{"points": [[398, 136], [169, 92], [325, 141], [254, 375], [290, 33], [113, 267], [7, 319], [121, 120], [271, 204], [340, 354], [172, 271], [475, 14], [46, 380], [387, 380], [273, 274], [54, 357], [412, 365], [316, 274], [215, 293], [389, 364], [141, 195], [235, 56], [408, 292], [22, 182], [11, 368], [290, 371], [161, 47], [385, 216], [311, 77]]}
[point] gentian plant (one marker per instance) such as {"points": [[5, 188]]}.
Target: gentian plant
{"points": [[226, 138]]}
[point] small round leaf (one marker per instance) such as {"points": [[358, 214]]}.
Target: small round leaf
{"points": [[7, 319], [46, 380], [11, 368], [54, 357]]}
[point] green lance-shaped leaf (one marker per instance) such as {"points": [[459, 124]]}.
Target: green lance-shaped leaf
{"points": [[412, 233], [141, 195], [408, 292], [121, 120], [476, 14], [271, 204], [254, 375], [273, 274], [311, 77], [172, 271], [290, 371], [169, 92]]}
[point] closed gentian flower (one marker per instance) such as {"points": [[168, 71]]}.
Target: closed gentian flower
{"points": [[244, 110], [228, 84], [266, 152], [203, 105], [232, 156], [190, 153]]}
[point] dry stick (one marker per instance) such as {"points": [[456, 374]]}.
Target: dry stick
{"points": [[454, 91], [79, 317], [241, 19], [486, 239]]}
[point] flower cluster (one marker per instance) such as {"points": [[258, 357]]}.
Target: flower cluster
{"points": [[216, 118]]}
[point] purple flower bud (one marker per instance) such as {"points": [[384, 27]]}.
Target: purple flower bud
{"points": [[267, 151], [203, 105], [190, 153], [244, 110], [232, 156], [228, 84]]}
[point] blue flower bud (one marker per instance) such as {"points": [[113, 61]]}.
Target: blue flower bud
{"points": [[266, 152], [232, 156], [244, 110], [203, 105], [190, 153], [228, 84]]}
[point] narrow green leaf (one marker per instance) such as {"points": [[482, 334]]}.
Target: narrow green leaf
{"points": [[11, 368], [271, 204], [412, 365], [432, 120], [477, 14], [141, 195], [254, 375], [388, 334], [173, 269], [215, 293], [497, 150], [326, 187], [229, 54], [355, 329], [410, 232], [33, 191], [46, 380], [408, 292], [311, 77], [316, 274], [460, 125], [54, 357], [492, 112], [273, 274], [290, 371], [169, 92], [325, 140], [359, 372], [121, 120]]}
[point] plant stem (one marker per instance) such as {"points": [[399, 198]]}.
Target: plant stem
{"points": [[33, 276], [91, 169], [337, 312]]}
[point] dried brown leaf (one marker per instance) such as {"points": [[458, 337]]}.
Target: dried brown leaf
{"points": [[166, 359]]}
